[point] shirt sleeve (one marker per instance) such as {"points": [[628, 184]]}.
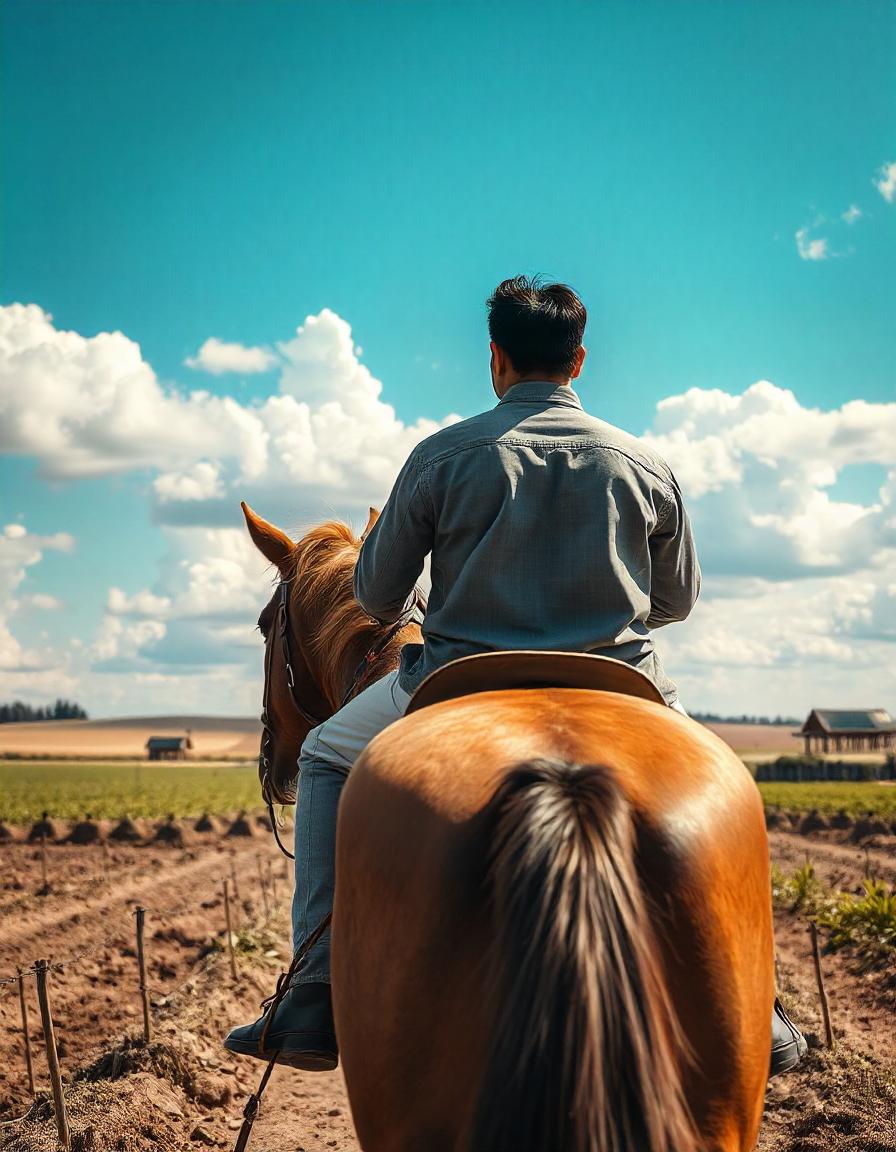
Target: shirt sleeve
{"points": [[675, 570], [391, 558]]}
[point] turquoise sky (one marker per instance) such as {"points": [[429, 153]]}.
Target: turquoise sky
{"points": [[178, 171]]}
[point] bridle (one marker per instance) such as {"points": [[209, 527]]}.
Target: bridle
{"points": [[358, 681]]}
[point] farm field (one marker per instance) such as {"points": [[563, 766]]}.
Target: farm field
{"points": [[212, 736], [831, 797], [186, 1092], [69, 790], [238, 737]]}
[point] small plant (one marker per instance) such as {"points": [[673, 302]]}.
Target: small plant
{"points": [[801, 890], [868, 922]]}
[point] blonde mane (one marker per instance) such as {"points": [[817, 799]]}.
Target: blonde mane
{"points": [[336, 631]]}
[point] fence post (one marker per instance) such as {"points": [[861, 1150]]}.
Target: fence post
{"points": [[264, 890], [822, 995], [236, 887], [141, 966], [23, 1005], [230, 951], [45, 887], [46, 1017]]}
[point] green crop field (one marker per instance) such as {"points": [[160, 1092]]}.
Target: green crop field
{"points": [[831, 797], [70, 791]]}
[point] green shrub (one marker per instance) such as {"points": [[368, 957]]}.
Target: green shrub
{"points": [[800, 891], [867, 922]]}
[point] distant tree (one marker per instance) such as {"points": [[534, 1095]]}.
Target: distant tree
{"points": [[716, 718], [20, 713]]}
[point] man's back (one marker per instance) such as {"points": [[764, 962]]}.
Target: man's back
{"points": [[548, 528]]}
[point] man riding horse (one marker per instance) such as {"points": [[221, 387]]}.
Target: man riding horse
{"points": [[548, 529]]}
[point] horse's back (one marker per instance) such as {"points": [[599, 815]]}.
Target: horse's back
{"points": [[411, 924]]}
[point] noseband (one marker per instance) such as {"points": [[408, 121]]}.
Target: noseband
{"points": [[358, 682]]}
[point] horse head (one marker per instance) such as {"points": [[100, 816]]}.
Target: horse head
{"points": [[315, 634]]}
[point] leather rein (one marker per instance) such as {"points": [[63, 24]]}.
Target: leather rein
{"points": [[358, 682]]}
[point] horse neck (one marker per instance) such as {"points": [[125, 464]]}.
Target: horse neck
{"points": [[348, 647]]}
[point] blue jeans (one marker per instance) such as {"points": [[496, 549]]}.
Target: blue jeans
{"points": [[327, 755]]}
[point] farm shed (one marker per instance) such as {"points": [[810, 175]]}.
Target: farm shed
{"points": [[848, 730], [168, 747]]}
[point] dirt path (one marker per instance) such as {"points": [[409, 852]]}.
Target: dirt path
{"points": [[187, 1092]]}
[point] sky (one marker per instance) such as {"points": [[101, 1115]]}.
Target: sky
{"points": [[244, 254]]}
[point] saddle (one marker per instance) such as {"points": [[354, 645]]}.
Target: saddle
{"points": [[497, 671]]}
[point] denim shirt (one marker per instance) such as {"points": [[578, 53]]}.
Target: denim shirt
{"points": [[548, 529]]}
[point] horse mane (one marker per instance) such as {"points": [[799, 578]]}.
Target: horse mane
{"points": [[335, 628]]}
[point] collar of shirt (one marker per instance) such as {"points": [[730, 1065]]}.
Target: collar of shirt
{"points": [[542, 392]]}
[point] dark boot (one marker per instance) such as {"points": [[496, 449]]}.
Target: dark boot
{"points": [[301, 1031], [788, 1043]]}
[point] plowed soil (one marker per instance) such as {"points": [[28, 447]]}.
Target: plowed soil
{"points": [[185, 1091]]}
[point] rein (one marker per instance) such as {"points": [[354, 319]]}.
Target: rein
{"points": [[357, 683]]}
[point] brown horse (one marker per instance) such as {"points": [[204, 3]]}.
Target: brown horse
{"points": [[552, 928]]}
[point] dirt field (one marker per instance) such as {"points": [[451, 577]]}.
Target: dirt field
{"points": [[186, 1092], [238, 738], [212, 736]]}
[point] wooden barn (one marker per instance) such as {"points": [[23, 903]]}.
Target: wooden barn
{"points": [[168, 747], [848, 730]]}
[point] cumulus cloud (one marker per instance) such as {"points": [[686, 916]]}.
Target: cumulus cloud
{"points": [[852, 214], [757, 469], [89, 406], [217, 357], [798, 580], [811, 248], [201, 482], [21, 550], [885, 182], [142, 603], [773, 646]]}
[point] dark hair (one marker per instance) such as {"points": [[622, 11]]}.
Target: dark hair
{"points": [[540, 327]]}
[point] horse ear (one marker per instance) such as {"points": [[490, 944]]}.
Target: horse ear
{"points": [[371, 520], [273, 544]]}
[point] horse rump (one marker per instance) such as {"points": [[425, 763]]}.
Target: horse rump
{"points": [[586, 1053]]}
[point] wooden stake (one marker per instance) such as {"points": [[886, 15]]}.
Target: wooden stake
{"points": [[229, 930], [141, 966], [822, 995], [46, 1018], [236, 888], [264, 888], [23, 1004], [45, 887]]}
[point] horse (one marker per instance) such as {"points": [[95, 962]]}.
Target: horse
{"points": [[552, 924]]}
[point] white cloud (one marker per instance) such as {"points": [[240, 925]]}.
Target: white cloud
{"points": [[757, 468], [811, 248], [798, 581], [44, 602], [885, 182], [143, 603], [852, 214], [89, 406], [787, 646], [92, 406], [19, 551], [217, 357], [201, 482]]}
